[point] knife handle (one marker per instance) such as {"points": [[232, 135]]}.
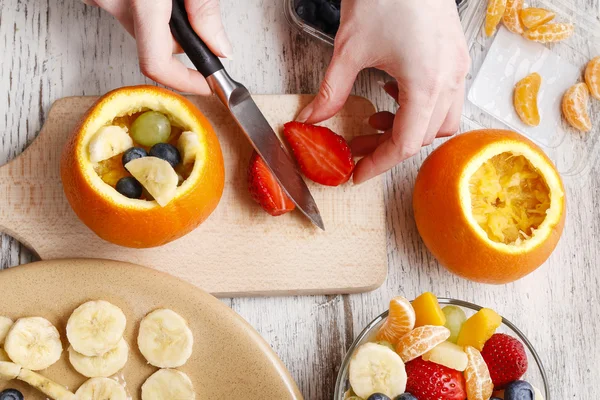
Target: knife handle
{"points": [[198, 52]]}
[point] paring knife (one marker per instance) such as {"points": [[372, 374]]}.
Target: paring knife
{"points": [[247, 115]]}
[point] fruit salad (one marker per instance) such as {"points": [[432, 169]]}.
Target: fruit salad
{"points": [[144, 155], [422, 351]]}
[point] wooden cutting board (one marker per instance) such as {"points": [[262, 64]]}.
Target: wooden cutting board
{"points": [[230, 360], [240, 250]]}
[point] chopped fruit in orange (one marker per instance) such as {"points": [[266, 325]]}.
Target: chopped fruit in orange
{"points": [[479, 328], [511, 17], [525, 99], [592, 77], [428, 310], [575, 105], [550, 33], [449, 355], [420, 340], [477, 376], [400, 321], [493, 15], [533, 17]]}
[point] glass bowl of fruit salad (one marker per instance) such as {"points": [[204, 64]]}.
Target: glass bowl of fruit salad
{"points": [[434, 348]]}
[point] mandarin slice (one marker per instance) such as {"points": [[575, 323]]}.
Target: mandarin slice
{"points": [[428, 310], [550, 33], [479, 328], [493, 15], [575, 105], [592, 77], [400, 321], [420, 340], [511, 17], [533, 17], [525, 99], [477, 376]]}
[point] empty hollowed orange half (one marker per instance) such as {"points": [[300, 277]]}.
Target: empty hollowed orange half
{"points": [[489, 205], [575, 107], [89, 184]]}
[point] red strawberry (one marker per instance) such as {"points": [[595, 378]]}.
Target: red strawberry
{"points": [[265, 189], [506, 359], [323, 155], [431, 381]]}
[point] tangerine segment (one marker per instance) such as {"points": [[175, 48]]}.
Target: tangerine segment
{"points": [[493, 15], [511, 17], [477, 376], [428, 310], [400, 321], [592, 77], [421, 340], [525, 99], [533, 17], [575, 105], [550, 33]]}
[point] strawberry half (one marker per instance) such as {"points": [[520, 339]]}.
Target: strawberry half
{"points": [[431, 381], [265, 189], [323, 155], [506, 359]]}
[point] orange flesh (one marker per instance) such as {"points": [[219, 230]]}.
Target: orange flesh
{"points": [[509, 198]]}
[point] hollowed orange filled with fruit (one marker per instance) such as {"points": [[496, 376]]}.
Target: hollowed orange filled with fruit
{"points": [[489, 205], [143, 167]]}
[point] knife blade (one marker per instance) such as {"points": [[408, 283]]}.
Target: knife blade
{"points": [[245, 112]]}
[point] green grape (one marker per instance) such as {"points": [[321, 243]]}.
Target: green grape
{"points": [[151, 128], [455, 318]]}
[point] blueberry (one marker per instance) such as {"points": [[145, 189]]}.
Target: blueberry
{"points": [[128, 187], [11, 394], [167, 152], [132, 154], [406, 396], [329, 13], [378, 396], [519, 390], [308, 12]]}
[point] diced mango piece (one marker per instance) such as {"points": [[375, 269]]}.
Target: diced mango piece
{"points": [[428, 310], [479, 328]]}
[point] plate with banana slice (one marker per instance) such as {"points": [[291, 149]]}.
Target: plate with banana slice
{"points": [[107, 330]]}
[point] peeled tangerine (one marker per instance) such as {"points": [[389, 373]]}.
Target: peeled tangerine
{"points": [[592, 77], [477, 376], [575, 105], [493, 15], [511, 18], [428, 310], [420, 340], [489, 205], [549, 33], [479, 328], [400, 321], [532, 17], [525, 99]]}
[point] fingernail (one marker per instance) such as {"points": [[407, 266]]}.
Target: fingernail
{"points": [[225, 45], [305, 114]]}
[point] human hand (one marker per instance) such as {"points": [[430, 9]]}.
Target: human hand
{"points": [[422, 46], [148, 22]]}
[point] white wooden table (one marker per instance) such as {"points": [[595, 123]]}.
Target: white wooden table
{"points": [[51, 49]]}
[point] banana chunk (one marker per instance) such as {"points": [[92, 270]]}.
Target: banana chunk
{"points": [[5, 325], [165, 339], [108, 142], [157, 176], [45, 385], [95, 328], [9, 371], [168, 384], [189, 146], [101, 389], [34, 343], [377, 369], [105, 365], [4, 356]]}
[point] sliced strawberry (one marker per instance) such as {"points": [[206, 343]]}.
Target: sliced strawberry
{"points": [[430, 381], [506, 359], [265, 189], [323, 155]]}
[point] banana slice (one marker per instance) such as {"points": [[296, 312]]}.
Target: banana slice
{"points": [[105, 365], [156, 176], [377, 369], [101, 389], [95, 328], [189, 146], [108, 142], [168, 384], [45, 385], [34, 343], [9, 371], [4, 356], [5, 325], [165, 339]]}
